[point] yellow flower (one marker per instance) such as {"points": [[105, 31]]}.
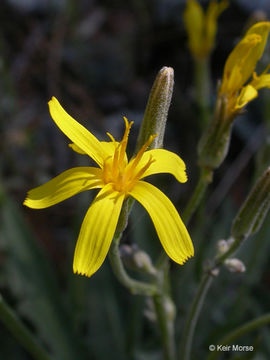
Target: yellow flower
{"points": [[239, 67], [202, 27], [117, 178]]}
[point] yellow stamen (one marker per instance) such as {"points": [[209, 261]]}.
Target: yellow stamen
{"points": [[115, 165], [140, 153], [106, 170], [116, 171], [143, 169], [125, 139], [111, 137]]}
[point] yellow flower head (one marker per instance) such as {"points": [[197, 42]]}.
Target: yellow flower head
{"points": [[202, 27], [239, 67], [117, 178]]}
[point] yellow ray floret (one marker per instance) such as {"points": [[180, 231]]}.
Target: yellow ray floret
{"points": [[202, 27], [240, 66], [117, 178]]}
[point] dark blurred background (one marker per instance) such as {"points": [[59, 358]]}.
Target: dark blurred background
{"points": [[100, 58]]}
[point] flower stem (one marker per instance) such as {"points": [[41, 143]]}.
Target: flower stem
{"points": [[164, 307], [204, 180], [135, 286], [202, 89], [193, 315], [20, 332], [166, 325], [197, 303], [240, 331]]}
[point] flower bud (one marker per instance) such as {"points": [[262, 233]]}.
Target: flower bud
{"points": [[235, 265], [214, 143], [252, 213], [156, 112], [222, 247], [136, 259], [234, 93]]}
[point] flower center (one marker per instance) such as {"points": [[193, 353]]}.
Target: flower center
{"points": [[122, 174]]}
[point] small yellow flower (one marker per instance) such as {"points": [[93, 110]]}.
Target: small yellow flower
{"points": [[202, 27], [240, 66], [117, 178]]}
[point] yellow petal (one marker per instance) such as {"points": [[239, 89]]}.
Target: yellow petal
{"points": [[77, 149], [262, 29], [77, 133], [262, 81], [108, 147], [171, 230], [247, 94], [194, 22], [240, 64], [213, 11], [202, 28], [164, 162], [244, 58], [97, 231], [63, 186]]}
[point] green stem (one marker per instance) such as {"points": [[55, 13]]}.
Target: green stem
{"points": [[240, 331], [202, 89], [158, 289], [20, 332], [193, 315], [165, 309], [204, 180], [166, 325], [135, 286], [196, 306]]}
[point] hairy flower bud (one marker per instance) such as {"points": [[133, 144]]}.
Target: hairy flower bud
{"points": [[137, 259], [235, 265], [156, 112], [222, 247]]}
